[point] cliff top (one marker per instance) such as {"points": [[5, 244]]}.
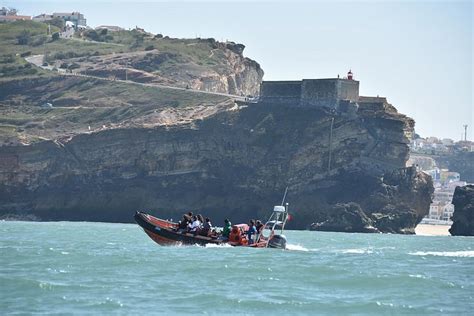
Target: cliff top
{"points": [[97, 79]]}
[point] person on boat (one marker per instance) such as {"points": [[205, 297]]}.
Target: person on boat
{"points": [[207, 227], [183, 224], [195, 225], [200, 218], [251, 231], [227, 228], [259, 226]]}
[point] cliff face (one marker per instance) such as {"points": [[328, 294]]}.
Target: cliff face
{"points": [[463, 217], [233, 163]]}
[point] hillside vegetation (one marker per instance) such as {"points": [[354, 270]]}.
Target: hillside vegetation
{"points": [[202, 64], [38, 103]]}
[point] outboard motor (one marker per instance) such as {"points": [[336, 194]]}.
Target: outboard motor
{"points": [[277, 241]]}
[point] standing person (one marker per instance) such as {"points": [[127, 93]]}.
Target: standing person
{"points": [[251, 231], [227, 228]]}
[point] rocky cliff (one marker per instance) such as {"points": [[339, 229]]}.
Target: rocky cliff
{"points": [[463, 217], [233, 162], [99, 148]]}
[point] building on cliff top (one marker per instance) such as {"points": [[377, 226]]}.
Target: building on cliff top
{"points": [[75, 17], [330, 92], [337, 93], [10, 15]]}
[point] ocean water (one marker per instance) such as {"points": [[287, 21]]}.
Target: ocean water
{"points": [[101, 268]]}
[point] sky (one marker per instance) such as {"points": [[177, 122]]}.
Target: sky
{"points": [[418, 54]]}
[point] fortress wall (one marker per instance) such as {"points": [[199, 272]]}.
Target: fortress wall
{"points": [[320, 92], [289, 89], [372, 103], [348, 90], [310, 92]]}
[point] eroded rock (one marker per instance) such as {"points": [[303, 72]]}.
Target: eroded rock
{"points": [[463, 216]]}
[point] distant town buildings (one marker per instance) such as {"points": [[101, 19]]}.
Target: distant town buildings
{"points": [[436, 146], [444, 181], [76, 18], [10, 15]]}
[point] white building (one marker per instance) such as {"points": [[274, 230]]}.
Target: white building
{"points": [[448, 211], [76, 17], [435, 211]]}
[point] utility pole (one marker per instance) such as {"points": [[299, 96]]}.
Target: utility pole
{"points": [[465, 132]]}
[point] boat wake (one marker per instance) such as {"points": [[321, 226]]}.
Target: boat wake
{"points": [[217, 246], [296, 248]]}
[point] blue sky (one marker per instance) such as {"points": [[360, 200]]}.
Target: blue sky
{"points": [[416, 53]]}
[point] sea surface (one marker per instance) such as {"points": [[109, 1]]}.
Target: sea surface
{"points": [[100, 268]]}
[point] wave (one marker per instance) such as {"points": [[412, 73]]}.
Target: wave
{"points": [[218, 246], [357, 251], [296, 248], [462, 253]]}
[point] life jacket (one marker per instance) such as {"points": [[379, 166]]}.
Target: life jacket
{"points": [[237, 234]]}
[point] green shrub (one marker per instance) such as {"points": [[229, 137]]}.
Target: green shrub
{"points": [[8, 59], [24, 38]]}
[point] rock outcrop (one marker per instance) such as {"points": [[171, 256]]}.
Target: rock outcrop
{"points": [[463, 217], [234, 163]]}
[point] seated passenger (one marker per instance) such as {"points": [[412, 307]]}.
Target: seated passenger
{"points": [[207, 227], [195, 225], [251, 231], [183, 223], [201, 219], [227, 228]]}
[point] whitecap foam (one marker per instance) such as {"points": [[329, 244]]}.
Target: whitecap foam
{"points": [[462, 253], [218, 245], [357, 251], [296, 248]]}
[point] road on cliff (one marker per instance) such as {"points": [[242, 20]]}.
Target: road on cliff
{"points": [[37, 60]]}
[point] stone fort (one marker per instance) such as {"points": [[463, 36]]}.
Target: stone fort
{"points": [[330, 93]]}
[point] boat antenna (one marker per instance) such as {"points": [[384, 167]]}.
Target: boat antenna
{"points": [[284, 196]]}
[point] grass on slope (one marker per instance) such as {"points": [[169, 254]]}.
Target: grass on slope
{"points": [[81, 102]]}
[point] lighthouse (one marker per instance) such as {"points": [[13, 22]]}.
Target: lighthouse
{"points": [[349, 75]]}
